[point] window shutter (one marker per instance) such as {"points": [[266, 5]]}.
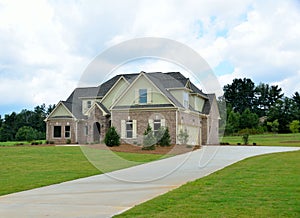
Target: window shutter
{"points": [[163, 122], [136, 96], [123, 129], [149, 96], [151, 123], [134, 128]]}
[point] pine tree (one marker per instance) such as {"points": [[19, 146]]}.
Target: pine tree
{"points": [[149, 139], [164, 137], [111, 137]]}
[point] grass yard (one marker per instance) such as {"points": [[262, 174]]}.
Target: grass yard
{"points": [[263, 186], [28, 167], [267, 139], [15, 143]]}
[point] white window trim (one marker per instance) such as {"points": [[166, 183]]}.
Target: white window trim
{"points": [[68, 131], [60, 132], [124, 130]]}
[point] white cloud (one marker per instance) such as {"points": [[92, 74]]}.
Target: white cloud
{"points": [[49, 43]]}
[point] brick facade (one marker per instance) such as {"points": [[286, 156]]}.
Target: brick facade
{"points": [[61, 122], [142, 117]]}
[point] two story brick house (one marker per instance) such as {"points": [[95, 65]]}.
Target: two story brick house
{"points": [[130, 102]]}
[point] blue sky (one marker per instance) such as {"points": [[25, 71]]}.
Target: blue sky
{"points": [[46, 45]]}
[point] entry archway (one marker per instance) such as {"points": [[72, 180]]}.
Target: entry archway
{"points": [[97, 132]]}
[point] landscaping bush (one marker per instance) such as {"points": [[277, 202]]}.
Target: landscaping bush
{"points": [[111, 137], [245, 139], [68, 141], [163, 138], [149, 139], [183, 137]]}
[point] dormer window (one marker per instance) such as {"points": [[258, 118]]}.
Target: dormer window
{"points": [[186, 100], [142, 96], [89, 104]]}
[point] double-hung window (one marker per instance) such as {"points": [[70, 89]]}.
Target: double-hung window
{"points": [[67, 131], [156, 126], [186, 100], [142, 96], [129, 129], [89, 104]]}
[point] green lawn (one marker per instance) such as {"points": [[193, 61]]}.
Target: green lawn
{"points": [[263, 186], [267, 139], [15, 143], [28, 167]]}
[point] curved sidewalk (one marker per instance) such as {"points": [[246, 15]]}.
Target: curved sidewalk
{"points": [[108, 194]]}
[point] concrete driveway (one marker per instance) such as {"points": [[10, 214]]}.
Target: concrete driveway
{"points": [[109, 194]]}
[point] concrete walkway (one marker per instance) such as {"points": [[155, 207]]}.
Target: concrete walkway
{"points": [[108, 194]]}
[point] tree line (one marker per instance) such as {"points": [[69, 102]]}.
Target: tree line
{"points": [[250, 109], [258, 109], [26, 125]]}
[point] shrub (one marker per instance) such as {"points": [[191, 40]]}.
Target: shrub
{"points": [[164, 137], [111, 137], [68, 141], [151, 147], [26, 133], [245, 139], [253, 131], [51, 142], [18, 144], [149, 140], [294, 126], [183, 137]]}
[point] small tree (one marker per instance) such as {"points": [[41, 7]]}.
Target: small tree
{"points": [[111, 137], [294, 126], [274, 126], [27, 133], [245, 139], [149, 139], [183, 137], [163, 137]]}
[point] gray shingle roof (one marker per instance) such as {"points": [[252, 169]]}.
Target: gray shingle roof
{"points": [[103, 107], [208, 103], [163, 81], [74, 101]]}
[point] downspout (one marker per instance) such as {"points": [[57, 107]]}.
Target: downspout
{"points": [[176, 128], [76, 131]]}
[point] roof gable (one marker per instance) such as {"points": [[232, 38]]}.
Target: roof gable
{"points": [[60, 111], [143, 81], [101, 107], [116, 90]]}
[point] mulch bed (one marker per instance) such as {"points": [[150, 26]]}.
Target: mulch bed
{"points": [[173, 149]]}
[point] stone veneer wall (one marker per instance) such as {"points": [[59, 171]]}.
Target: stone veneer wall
{"points": [[97, 116], [142, 117], [81, 135]]}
